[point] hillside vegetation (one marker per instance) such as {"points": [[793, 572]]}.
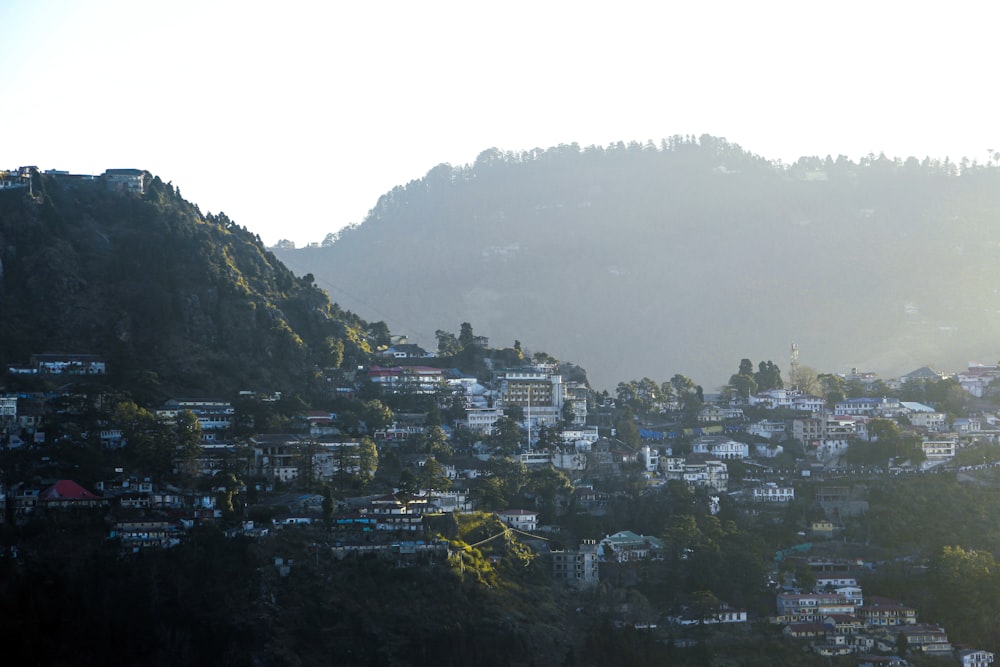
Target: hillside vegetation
{"points": [[648, 260], [169, 296]]}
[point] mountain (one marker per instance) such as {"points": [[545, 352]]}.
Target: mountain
{"points": [[169, 296], [648, 260]]}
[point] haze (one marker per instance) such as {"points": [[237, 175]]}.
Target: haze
{"points": [[249, 108]]}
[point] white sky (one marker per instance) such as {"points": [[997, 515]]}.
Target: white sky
{"points": [[294, 117]]}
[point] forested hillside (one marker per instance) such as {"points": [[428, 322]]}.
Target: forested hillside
{"points": [[647, 259], [169, 296]]}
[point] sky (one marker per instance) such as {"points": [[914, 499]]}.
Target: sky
{"points": [[293, 118]]}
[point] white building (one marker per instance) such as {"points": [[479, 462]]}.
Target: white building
{"points": [[525, 520], [772, 493], [720, 447]]}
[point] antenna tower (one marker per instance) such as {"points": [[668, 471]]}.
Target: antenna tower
{"points": [[794, 367]]}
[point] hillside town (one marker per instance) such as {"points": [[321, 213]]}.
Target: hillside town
{"points": [[384, 481]]}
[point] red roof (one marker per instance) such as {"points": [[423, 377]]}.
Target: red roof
{"points": [[66, 489]]}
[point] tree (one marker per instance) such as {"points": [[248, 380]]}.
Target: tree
{"points": [[376, 415], [448, 345], [465, 337], [626, 429], [187, 430], [768, 376], [367, 460], [433, 476], [833, 388], [379, 332], [743, 386], [506, 435], [327, 506]]}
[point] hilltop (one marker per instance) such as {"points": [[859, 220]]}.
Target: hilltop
{"points": [[646, 259], [170, 297]]}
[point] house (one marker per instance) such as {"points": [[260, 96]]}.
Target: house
{"points": [[408, 379], [881, 611], [772, 493], [68, 364], [481, 420], [923, 373], [938, 451], [801, 607], [974, 658], [928, 637], [805, 630], [212, 414], [977, 378], [8, 407], [707, 474], [136, 536], [124, 180], [68, 494], [767, 428], [720, 447], [843, 624], [822, 529], [865, 660], [577, 568], [526, 520], [625, 546], [405, 351]]}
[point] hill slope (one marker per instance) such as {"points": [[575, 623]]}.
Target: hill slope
{"points": [[645, 260], [157, 287]]}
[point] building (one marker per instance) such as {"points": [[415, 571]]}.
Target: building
{"points": [[885, 612], [408, 379], [539, 393], [938, 451], [212, 414], [625, 546], [577, 568], [772, 493], [68, 364], [481, 420], [129, 181], [67, 494], [526, 520], [975, 658], [805, 607], [720, 447]]}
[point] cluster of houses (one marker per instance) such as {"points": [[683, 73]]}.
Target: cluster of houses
{"points": [[836, 619], [130, 181]]}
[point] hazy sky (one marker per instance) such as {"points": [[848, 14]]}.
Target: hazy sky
{"points": [[294, 117]]}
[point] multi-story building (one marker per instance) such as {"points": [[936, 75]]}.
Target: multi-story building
{"points": [[481, 420], [212, 414], [772, 493], [798, 607], [577, 568], [539, 393], [720, 447], [526, 520], [408, 379], [68, 364], [625, 546], [938, 451], [8, 408], [880, 611]]}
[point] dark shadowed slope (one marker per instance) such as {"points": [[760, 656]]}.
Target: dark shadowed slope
{"points": [[167, 295]]}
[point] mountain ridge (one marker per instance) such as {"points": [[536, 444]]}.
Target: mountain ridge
{"points": [[683, 257]]}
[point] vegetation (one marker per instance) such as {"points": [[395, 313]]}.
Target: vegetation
{"points": [[173, 299], [637, 257]]}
